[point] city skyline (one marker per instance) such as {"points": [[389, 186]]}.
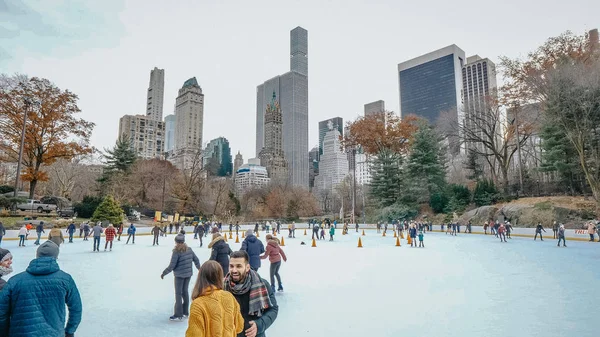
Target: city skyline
{"points": [[72, 50]]}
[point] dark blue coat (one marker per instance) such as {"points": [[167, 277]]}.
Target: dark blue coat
{"points": [[181, 263], [71, 228], [24, 313], [254, 247], [220, 253]]}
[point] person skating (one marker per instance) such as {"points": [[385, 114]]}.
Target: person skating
{"points": [[109, 236], [80, 230], [181, 266], [119, 231], [485, 227], [501, 233], [356, 225], [254, 248], [331, 233], [71, 231], [171, 228], [39, 229], [256, 228], [55, 235], [34, 302], [177, 227], [5, 266], [454, 228], [220, 251], [561, 235], [155, 232], [256, 298], [199, 232], [555, 229], [2, 232], [29, 228], [421, 237], [214, 312], [275, 254], [86, 231], [538, 230], [322, 233], [509, 229], [237, 228], [131, 233], [97, 233], [412, 232], [469, 227], [22, 234], [591, 230], [315, 231]]}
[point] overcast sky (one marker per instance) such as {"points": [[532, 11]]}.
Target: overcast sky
{"points": [[104, 50]]}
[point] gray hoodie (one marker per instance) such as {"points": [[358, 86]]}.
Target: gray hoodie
{"points": [[97, 230]]}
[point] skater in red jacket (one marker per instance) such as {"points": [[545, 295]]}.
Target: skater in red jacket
{"points": [[110, 234]]}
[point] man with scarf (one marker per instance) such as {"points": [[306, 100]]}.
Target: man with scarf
{"points": [[254, 295]]}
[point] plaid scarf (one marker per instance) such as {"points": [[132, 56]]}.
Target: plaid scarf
{"points": [[259, 295]]}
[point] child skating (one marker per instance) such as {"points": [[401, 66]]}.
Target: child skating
{"points": [[331, 233], [421, 235]]}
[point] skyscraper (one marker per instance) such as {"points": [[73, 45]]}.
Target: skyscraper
{"points": [[431, 83], [479, 92], [292, 90], [145, 133], [170, 133], [338, 123], [313, 169], [156, 93], [216, 158], [374, 107], [333, 165], [237, 163], [272, 156], [189, 116]]}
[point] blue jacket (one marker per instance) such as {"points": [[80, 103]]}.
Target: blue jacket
{"points": [[131, 230], [24, 313], [181, 263], [71, 228], [254, 247]]}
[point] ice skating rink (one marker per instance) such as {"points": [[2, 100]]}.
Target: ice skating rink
{"points": [[470, 285]]}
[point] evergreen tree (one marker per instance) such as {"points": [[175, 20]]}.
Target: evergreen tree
{"points": [[121, 157], [485, 193], [386, 177], [108, 210], [559, 156], [426, 166], [474, 166]]}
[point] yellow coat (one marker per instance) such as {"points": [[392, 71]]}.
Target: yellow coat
{"points": [[215, 315]]}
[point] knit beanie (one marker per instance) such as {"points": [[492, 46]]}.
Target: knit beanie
{"points": [[47, 248], [249, 232], [5, 254], [180, 238]]}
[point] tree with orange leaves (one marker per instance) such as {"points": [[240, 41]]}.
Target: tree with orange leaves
{"points": [[52, 129]]}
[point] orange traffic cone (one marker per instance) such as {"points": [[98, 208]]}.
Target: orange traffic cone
{"points": [[395, 234], [359, 243], [363, 234], [257, 234], [314, 244], [243, 235], [401, 235], [225, 237], [304, 231], [282, 242], [397, 242], [231, 237], [237, 239], [383, 234], [409, 239]]}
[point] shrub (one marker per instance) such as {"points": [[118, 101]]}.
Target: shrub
{"points": [[87, 206], [485, 193], [108, 210], [6, 189]]}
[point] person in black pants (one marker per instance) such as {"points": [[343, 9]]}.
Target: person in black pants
{"points": [[199, 232], [538, 230], [509, 229], [561, 235]]}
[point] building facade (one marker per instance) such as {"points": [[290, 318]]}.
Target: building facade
{"points": [[374, 108], [313, 170], [250, 176], [363, 168], [189, 117], [170, 133], [272, 155], [145, 133], [156, 94], [291, 89], [431, 84], [216, 158], [479, 93], [338, 123], [333, 164], [237, 163]]}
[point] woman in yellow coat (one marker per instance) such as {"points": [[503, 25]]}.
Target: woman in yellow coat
{"points": [[214, 312]]}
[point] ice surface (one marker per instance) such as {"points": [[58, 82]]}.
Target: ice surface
{"points": [[470, 285]]}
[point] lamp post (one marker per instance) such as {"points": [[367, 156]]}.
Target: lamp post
{"points": [[27, 103]]}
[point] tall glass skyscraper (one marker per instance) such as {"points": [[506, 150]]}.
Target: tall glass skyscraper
{"points": [[292, 90], [432, 83], [337, 122]]}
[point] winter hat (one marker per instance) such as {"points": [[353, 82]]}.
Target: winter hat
{"points": [[5, 254], [249, 232], [47, 248], [269, 236], [180, 238]]}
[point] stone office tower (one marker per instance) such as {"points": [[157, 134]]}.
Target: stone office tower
{"points": [[272, 155]]}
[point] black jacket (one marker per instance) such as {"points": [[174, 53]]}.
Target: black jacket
{"points": [[268, 316], [220, 253]]}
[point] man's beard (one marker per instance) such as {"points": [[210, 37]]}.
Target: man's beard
{"points": [[5, 270]]}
